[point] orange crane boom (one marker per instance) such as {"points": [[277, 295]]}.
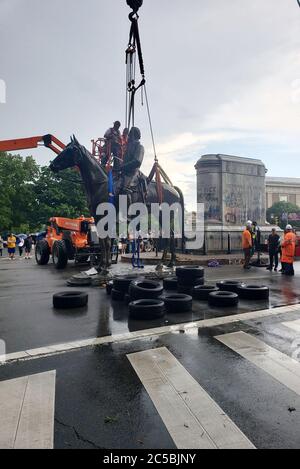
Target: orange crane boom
{"points": [[48, 141]]}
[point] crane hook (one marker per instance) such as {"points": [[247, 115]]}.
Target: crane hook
{"points": [[135, 5]]}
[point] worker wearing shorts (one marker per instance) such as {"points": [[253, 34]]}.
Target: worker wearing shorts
{"points": [[11, 246], [28, 247]]}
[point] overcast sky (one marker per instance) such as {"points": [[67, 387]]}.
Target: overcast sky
{"points": [[223, 77]]}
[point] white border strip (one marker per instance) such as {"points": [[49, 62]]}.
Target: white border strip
{"points": [[70, 346]]}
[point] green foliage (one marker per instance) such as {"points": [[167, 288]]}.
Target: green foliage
{"points": [[275, 212], [30, 194]]}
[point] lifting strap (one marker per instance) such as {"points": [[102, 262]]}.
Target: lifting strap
{"points": [[134, 50], [134, 45]]}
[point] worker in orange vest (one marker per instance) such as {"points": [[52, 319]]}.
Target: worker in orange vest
{"points": [[288, 248], [247, 243]]}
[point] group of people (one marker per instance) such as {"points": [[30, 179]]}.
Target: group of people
{"points": [[23, 244], [284, 246]]}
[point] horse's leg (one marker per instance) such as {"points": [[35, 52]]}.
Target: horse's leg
{"points": [[106, 249], [108, 253], [172, 262], [102, 254]]}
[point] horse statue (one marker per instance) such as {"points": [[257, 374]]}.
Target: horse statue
{"points": [[95, 182]]}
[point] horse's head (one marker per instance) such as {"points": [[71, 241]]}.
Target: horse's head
{"points": [[68, 158]]}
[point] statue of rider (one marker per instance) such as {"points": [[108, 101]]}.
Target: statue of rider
{"points": [[132, 162]]}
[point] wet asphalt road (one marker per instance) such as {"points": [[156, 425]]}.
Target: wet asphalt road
{"points": [[28, 320], [100, 401]]}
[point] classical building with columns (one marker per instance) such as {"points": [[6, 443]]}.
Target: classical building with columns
{"points": [[279, 189]]}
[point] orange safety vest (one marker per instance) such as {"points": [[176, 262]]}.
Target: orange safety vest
{"points": [[288, 248], [246, 240]]}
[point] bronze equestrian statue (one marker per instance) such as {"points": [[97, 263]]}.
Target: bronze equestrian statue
{"points": [[95, 182]]}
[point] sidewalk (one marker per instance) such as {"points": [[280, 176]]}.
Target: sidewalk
{"points": [[190, 259]]}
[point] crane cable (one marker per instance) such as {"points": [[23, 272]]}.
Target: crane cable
{"points": [[134, 51]]}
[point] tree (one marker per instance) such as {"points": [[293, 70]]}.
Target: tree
{"points": [[278, 210], [59, 195], [17, 178], [30, 194]]}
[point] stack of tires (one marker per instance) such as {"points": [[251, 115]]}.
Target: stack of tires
{"points": [[145, 298], [189, 277], [147, 302]]}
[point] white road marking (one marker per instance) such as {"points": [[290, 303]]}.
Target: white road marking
{"points": [[142, 334], [191, 416], [27, 412], [283, 368], [295, 325]]}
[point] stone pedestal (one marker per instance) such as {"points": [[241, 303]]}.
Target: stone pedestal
{"points": [[233, 191]]}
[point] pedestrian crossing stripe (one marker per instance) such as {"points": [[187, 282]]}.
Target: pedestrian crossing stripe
{"points": [[27, 412], [294, 325], [281, 367], [192, 418]]}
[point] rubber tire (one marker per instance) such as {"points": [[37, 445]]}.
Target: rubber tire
{"points": [[62, 256], [170, 283], [188, 282], [223, 298], [109, 287], [123, 283], [201, 292], [146, 309], [117, 295], [68, 300], [185, 290], [190, 272], [145, 289], [45, 252], [127, 299], [178, 303], [229, 285], [254, 292]]}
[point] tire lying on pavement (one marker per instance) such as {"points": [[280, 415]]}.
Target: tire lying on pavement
{"points": [[145, 289], [201, 292], [190, 272], [229, 285], [123, 283], [146, 309], [127, 299], [117, 295], [178, 303], [170, 283], [109, 287], [254, 292], [185, 290], [189, 282], [223, 298], [68, 300]]}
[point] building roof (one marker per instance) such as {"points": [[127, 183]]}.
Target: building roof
{"points": [[229, 158], [280, 181]]}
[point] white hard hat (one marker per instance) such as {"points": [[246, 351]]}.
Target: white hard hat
{"points": [[249, 223], [288, 227]]}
